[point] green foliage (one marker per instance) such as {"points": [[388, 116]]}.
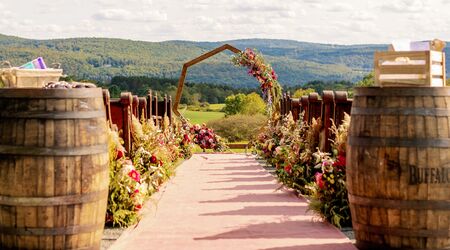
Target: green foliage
{"points": [[367, 81], [448, 82], [200, 117], [302, 92], [102, 58], [253, 104], [250, 104], [234, 104], [238, 127]]}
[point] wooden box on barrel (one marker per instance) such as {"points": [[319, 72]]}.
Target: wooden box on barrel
{"points": [[410, 68], [398, 168], [53, 168]]}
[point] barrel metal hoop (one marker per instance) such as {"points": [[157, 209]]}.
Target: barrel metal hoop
{"points": [[398, 142], [401, 111], [54, 200], [360, 244], [54, 115], [41, 151], [393, 91], [38, 231], [402, 232], [400, 204], [33, 93]]}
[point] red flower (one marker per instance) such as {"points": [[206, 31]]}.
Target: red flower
{"points": [[153, 159], [135, 175], [319, 180], [340, 162], [288, 169], [274, 75], [119, 154]]}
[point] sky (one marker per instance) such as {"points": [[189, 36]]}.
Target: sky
{"points": [[322, 21]]}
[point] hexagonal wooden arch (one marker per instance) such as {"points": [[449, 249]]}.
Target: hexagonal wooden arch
{"points": [[193, 62]]}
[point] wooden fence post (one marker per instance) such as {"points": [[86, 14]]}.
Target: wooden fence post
{"points": [[135, 106], [315, 106], [305, 108], [327, 116], [296, 108], [106, 102], [142, 108], [169, 109], [155, 108], [342, 105], [121, 116], [283, 107], [288, 102], [149, 105]]}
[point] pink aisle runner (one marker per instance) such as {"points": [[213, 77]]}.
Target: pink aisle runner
{"points": [[228, 201]]}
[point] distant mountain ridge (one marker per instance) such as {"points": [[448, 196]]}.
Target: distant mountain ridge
{"points": [[102, 58]]}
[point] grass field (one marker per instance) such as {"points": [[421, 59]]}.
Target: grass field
{"points": [[217, 107], [199, 117]]}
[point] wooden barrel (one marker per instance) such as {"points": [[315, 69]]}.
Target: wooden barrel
{"points": [[53, 168], [398, 168]]}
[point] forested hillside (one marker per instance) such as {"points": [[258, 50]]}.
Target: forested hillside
{"points": [[103, 58]]}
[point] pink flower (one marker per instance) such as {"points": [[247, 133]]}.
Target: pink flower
{"points": [[319, 180], [135, 175]]}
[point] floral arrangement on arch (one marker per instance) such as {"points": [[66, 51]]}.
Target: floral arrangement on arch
{"points": [[264, 73]]}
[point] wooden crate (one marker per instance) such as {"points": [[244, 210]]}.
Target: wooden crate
{"points": [[29, 78], [409, 68]]}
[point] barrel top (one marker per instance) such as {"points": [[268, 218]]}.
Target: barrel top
{"points": [[32, 93], [402, 91]]}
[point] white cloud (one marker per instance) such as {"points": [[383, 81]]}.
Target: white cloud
{"points": [[340, 7], [362, 16], [406, 6], [259, 5], [126, 15]]}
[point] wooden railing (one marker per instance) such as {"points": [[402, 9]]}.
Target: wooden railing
{"points": [[330, 106], [119, 112]]}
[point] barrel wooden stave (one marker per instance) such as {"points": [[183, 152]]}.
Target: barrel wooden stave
{"points": [[70, 226], [381, 172]]}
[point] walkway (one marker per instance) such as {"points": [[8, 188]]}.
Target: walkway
{"points": [[228, 201]]}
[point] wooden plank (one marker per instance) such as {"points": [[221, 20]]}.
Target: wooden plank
{"points": [[402, 69], [192, 62]]}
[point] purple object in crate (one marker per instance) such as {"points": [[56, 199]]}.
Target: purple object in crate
{"points": [[39, 63]]}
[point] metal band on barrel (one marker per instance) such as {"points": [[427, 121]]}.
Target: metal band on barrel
{"points": [[54, 200], [400, 204], [37, 231], [398, 91], [401, 232], [33, 93], [62, 115], [42, 151], [398, 142], [401, 111]]}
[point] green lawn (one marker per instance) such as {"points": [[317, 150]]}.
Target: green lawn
{"points": [[217, 107], [199, 117]]}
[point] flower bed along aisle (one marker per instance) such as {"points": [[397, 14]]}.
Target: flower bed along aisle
{"points": [[292, 148]]}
